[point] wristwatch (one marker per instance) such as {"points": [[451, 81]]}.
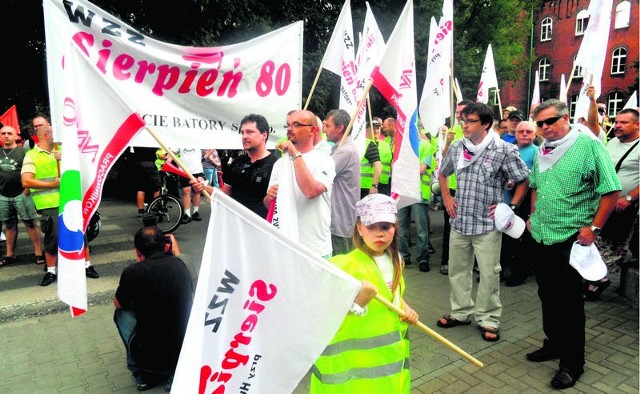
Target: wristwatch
{"points": [[596, 230], [375, 185], [628, 198], [513, 207], [298, 154]]}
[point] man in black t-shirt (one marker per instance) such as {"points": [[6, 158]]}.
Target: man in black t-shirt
{"points": [[246, 179], [153, 302]]}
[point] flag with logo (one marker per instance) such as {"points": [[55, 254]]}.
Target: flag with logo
{"points": [[93, 135], [592, 52], [395, 79], [488, 79], [260, 316], [435, 102]]}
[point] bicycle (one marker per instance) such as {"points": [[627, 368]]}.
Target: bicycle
{"points": [[166, 209]]}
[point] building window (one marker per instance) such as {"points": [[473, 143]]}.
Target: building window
{"points": [[546, 28], [582, 20], [577, 71], [614, 104], [573, 101], [543, 69], [623, 13], [618, 61]]}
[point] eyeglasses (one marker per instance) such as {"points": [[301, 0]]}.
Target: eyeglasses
{"points": [[548, 121], [601, 110], [470, 121], [296, 125]]}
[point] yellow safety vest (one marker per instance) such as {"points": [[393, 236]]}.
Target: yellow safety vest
{"points": [[426, 150], [386, 156], [370, 353], [366, 170], [46, 170]]}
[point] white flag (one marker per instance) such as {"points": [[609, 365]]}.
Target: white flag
{"points": [[395, 79], [458, 91], [563, 89], [339, 58], [592, 52], [264, 308], [535, 98], [633, 101], [435, 106], [488, 79]]}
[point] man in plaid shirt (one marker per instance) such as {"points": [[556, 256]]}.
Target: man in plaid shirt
{"points": [[482, 164]]}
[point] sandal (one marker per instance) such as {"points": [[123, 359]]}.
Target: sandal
{"points": [[40, 259], [448, 321], [8, 260], [598, 288], [486, 331]]}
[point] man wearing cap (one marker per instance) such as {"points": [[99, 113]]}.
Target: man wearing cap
{"points": [[514, 119], [575, 188], [481, 161]]}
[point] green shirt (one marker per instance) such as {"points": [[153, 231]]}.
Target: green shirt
{"points": [[568, 193]]}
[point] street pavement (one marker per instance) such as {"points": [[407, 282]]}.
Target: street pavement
{"points": [[44, 350]]}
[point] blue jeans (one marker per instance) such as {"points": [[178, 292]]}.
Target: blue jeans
{"points": [[126, 323], [420, 214], [211, 175]]}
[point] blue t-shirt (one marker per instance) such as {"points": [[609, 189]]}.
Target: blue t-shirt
{"points": [[527, 154], [509, 138]]}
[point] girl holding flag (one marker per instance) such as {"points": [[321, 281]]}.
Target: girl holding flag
{"points": [[370, 351]]}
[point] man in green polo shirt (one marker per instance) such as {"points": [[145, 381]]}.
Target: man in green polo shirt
{"points": [[575, 188]]}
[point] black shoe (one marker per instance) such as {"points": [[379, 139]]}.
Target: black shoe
{"points": [[91, 272], [48, 279], [140, 213], [444, 269], [564, 378], [543, 354], [407, 260], [196, 217], [185, 219], [424, 266]]}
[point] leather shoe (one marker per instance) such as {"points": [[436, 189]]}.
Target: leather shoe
{"points": [[444, 269], [185, 219], [196, 217], [48, 279], [543, 354], [564, 379], [424, 266], [91, 272]]}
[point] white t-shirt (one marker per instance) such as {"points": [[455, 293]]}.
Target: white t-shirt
{"points": [[192, 159], [313, 216], [629, 173]]}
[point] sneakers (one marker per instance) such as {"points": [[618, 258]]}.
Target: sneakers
{"points": [[444, 269], [48, 279], [140, 213], [196, 217], [91, 272], [185, 219]]}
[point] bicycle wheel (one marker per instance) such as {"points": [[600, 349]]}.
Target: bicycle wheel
{"points": [[168, 212]]}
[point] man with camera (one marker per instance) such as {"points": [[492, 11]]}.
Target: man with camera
{"points": [[153, 302]]}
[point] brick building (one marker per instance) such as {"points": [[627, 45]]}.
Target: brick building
{"points": [[558, 29]]}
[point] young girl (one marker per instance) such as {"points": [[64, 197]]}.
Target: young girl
{"points": [[370, 351]]}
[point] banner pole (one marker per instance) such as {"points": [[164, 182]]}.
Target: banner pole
{"points": [[365, 93], [434, 334], [313, 87], [573, 70], [175, 159]]}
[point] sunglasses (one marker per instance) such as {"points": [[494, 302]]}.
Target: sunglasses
{"points": [[548, 121]]}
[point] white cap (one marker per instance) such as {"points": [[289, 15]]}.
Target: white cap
{"points": [[587, 261], [375, 208], [508, 222]]}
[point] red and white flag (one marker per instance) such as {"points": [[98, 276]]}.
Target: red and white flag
{"points": [[488, 79], [339, 58], [395, 79], [95, 127], [435, 102], [592, 52], [10, 118], [260, 316]]}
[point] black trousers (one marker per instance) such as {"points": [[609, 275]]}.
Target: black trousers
{"points": [[560, 290]]}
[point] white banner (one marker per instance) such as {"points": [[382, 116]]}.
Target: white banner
{"points": [[265, 308], [190, 96], [488, 79]]}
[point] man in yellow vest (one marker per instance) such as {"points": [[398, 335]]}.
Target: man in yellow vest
{"points": [[370, 165], [40, 172]]}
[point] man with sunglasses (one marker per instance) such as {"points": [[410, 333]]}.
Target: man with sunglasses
{"points": [[575, 188], [481, 161], [301, 183]]}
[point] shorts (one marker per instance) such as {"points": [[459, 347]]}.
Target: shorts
{"points": [[21, 206], [148, 177], [49, 226], [184, 182]]}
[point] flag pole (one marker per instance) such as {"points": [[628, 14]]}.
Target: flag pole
{"points": [[373, 135], [365, 93], [313, 87], [499, 102], [566, 92], [175, 158], [434, 334]]}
